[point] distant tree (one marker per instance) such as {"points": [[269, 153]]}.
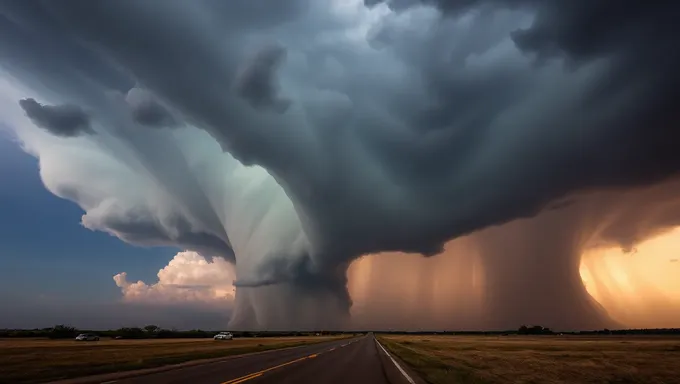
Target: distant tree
{"points": [[152, 328], [62, 331], [534, 330], [131, 333]]}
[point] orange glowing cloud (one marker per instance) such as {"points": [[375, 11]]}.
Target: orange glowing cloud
{"points": [[640, 288]]}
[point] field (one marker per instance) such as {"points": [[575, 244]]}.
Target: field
{"points": [[540, 359], [38, 360]]}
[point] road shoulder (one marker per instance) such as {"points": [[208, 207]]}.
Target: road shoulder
{"points": [[396, 370]]}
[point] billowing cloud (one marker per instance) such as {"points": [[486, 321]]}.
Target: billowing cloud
{"points": [[147, 110], [188, 279], [257, 83], [406, 125], [61, 120]]}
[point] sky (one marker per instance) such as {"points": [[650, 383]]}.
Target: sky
{"points": [[263, 150], [49, 262]]}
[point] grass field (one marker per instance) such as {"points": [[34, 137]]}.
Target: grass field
{"points": [[39, 360], [540, 359]]}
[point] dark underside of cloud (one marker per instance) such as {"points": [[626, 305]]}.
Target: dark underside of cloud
{"points": [[257, 82], [148, 111], [60, 120], [447, 121]]}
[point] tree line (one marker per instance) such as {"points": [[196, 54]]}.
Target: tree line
{"points": [[62, 331], [540, 330]]}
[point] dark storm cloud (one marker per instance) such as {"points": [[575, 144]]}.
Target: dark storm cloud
{"points": [[153, 114], [142, 228], [257, 82], [306, 303], [462, 132], [60, 120], [61, 63], [459, 121], [619, 137], [187, 55], [148, 111], [589, 144]]}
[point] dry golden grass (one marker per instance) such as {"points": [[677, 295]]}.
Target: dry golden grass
{"points": [[38, 360], [540, 359]]}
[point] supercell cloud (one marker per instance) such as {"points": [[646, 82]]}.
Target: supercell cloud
{"points": [[308, 133], [60, 120], [257, 83], [146, 110]]}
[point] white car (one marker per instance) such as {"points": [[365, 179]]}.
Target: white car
{"points": [[223, 336], [87, 337]]}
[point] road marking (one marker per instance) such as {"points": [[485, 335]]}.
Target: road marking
{"points": [[260, 373], [246, 378], [408, 378], [254, 375], [109, 382], [243, 378], [332, 349]]}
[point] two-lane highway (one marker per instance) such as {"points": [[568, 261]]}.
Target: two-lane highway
{"points": [[357, 361]]}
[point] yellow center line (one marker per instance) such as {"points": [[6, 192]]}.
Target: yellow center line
{"points": [[246, 378], [243, 378], [260, 373]]}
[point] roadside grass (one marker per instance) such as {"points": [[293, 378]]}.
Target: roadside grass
{"points": [[40, 360], [539, 359]]}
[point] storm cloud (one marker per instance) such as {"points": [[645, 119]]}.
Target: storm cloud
{"points": [[400, 125], [148, 111], [61, 120], [257, 82]]}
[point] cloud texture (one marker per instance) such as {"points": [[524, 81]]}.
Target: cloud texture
{"points": [[188, 279], [60, 120], [310, 132]]}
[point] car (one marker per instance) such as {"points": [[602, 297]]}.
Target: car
{"points": [[87, 337], [223, 336]]}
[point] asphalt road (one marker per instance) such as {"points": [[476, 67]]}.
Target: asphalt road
{"points": [[356, 361]]}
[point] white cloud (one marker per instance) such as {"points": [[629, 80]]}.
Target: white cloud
{"points": [[188, 279]]}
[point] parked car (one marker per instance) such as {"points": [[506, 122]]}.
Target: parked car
{"points": [[87, 337], [223, 336]]}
